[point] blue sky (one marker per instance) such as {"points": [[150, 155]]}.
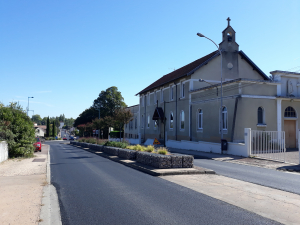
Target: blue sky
{"points": [[64, 53]]}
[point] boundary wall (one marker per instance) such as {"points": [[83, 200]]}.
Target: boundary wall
{"points": [[3, 151]]}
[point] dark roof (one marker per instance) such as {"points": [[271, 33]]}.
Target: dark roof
{"points": [[193, 66], [181, 72], [254, 66]]}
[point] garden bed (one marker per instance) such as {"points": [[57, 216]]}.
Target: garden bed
{"points": [[152, 159]]}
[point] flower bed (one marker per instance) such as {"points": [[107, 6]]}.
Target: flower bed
{"points": [[152, 159]]}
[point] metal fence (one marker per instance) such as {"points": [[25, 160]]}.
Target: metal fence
{"points": [[268, 145]]}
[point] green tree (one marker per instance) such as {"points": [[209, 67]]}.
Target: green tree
{"points": [[122, 117], [53, 129], [37, 119], [86, 116], [109, 101], [44, 121], [17, 130], [48, 127]]}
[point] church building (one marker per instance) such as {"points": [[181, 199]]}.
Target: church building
{"points": [[184, 107]]}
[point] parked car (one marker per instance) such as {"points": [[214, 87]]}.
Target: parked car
{"points": [[71, 138], [38, 144], [65, 138]]}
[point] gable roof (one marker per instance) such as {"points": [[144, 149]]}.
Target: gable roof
{"points": [[181, 72], [254, 66], [193, 66]]}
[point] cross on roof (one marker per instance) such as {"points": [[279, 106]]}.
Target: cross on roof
{"points": [[228, 19]]}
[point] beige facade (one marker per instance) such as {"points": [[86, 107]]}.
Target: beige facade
{"points": [[131, 130]]}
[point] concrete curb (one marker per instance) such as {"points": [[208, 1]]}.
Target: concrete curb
{"points": [[149, 169], [50, 210]]}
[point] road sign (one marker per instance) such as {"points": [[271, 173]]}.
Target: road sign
{"points": [[156, 142]]}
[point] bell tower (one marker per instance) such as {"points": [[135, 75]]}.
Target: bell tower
{"points": [[230, 51]]}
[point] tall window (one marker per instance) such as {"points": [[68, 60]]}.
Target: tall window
{"points": [[148, 96], [155, 97], [142, 101], [148, 122], [171, 120], [135, 122], [224, 117], [162, 95], [182, 89], [154, 124], [142, 122], [260, 115], [172, 93], [200, 119], [182, 120], [290, 112]]}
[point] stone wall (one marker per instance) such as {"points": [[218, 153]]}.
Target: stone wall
{"points": [[152, 159]]}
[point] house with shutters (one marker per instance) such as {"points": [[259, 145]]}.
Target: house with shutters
{"points": [[183, 108]]}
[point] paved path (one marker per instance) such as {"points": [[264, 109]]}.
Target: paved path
{"points": [[22, 182], [95, 190]]}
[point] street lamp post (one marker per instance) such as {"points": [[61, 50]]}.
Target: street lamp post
{"points": [[28, 105], [201, 35]]}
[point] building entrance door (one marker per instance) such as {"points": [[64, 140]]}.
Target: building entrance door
{"points": [[290, 133]]}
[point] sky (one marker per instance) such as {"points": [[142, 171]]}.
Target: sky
{"points": [[64, 53]]}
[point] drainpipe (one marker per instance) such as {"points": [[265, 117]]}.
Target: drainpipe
{"points": [[176, 114], [234, 118], [145, 103]]}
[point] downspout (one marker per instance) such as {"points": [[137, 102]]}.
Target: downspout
{"points": [[145, 103], [234, 117], [176, 114]]}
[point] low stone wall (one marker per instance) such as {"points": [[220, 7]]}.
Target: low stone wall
{"points": [[3, 151], [147, 158]]}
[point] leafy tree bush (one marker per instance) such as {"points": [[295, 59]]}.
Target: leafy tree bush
{"points": [[17, 130]]}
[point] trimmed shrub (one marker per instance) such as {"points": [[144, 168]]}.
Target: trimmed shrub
{"points": [[116, 144], [162, 151], [150, 148]]}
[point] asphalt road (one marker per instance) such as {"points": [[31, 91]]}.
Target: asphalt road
{"points": [[267, 177], [95, 190], [285, 181]]}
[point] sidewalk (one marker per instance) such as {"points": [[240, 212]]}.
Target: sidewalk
{"points": [[269, 164], [274, 204], [22, 182]]}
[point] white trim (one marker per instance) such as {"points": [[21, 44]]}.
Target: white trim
{"points": [[290, 118], [279, 122], [258, 96], [287, 75], [261, 125]]}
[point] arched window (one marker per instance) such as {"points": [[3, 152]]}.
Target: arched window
{"points": [[182, 120], [290, 112], [154, 124], [148, 122], [260, 115], [224, 118], [200, 119], [171, 120]]}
